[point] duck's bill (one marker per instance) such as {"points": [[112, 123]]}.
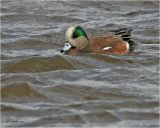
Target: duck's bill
{"points": [[66, 47]]}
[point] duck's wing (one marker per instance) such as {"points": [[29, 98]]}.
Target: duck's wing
{"points": [[109, 43], [125, 34], [108, 40], [118, 39]]}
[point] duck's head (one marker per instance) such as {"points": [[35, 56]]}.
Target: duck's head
{"points": [[75, 38]]}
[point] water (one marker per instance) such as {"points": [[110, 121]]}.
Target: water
{"points": [[42, 87]]}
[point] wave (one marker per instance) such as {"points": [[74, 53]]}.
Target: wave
{"points": [[20, 90]]}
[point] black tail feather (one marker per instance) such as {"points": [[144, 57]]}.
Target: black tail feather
{"points": [[125, 33], [131, 45], [126, 39]]}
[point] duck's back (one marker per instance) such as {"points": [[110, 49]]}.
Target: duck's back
{"points": [[116, 42], [108, 44]]}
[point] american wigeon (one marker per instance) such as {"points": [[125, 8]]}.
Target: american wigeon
{"points": [[115, 42]]}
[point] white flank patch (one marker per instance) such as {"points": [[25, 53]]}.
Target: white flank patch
{"points": [[127, 45], [106, 48]]}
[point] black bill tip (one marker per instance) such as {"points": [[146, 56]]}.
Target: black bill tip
{"points": [[62, 51]]}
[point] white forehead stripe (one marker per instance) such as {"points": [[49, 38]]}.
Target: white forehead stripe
{"points": [[69, 33], [106, 48]]}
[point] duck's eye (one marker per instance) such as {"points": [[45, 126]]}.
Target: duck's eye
{"points": [[75, 35]]}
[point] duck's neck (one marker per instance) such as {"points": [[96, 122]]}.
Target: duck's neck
{"points": [[90, 41], [88, 48]]}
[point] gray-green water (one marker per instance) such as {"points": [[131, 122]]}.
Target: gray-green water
{"points": [[42, 87]]}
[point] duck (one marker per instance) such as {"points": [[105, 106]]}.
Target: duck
{"points": [[113, 42]]}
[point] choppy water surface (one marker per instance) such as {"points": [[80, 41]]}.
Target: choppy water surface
{"points": [[42, 87]]}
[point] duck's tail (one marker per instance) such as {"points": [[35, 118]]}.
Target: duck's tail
{"points": [[126, 35]]}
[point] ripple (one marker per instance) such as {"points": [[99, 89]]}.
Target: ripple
{"points": [[86, 119], [19, 90], [139, 12], [38, 64], [139, 115]]}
